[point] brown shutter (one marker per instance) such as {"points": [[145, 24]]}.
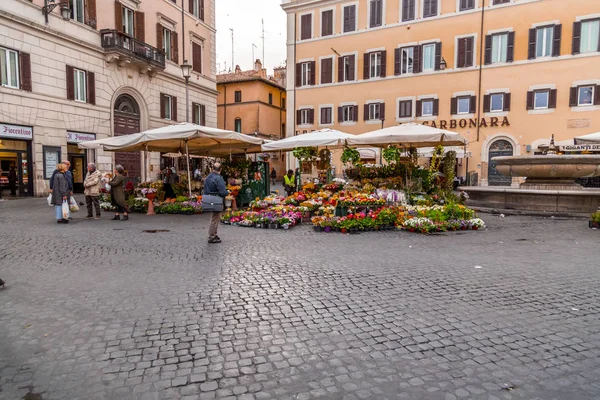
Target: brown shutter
{"points": [[366, 112], [473, 104], [383, 63], [91, 87], [202, 10], [530, 100], [298, 75], [174, 47], [174, 108], [461, 53], [488, 50], [140, 26], [159, 37], [326, 70], [162, 106], [352, 73], [341, 69], [197, 57], [417, 59], [90, 13], [340, 114], [552, 100], [557, 40], [191, 7], [597, 95], [506, 102], [366, 66], [299, 117], [486, 103], [194, 107], [202, 114], [438, 55], [576, 44], [510, 48], [382, 111], [313, 72], [25, 71], [436, 106], [397, 61], [355, 113], [306, 27], [453, 106], [408, 10], [470, 42], [573, 97], [118, 16], [418, 108], [70, 83], [323, 116], [531, 49], [311, 116]]}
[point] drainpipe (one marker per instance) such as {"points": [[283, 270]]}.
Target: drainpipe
{"points": [[481, 49], [295, 66], [225, 108]]}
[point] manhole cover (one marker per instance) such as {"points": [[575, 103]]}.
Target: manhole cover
{"points": [[156, 230]]}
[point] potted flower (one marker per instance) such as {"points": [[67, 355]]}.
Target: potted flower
{"points": [[284, 222], [595, 220], [150, 194], [326, 225], [476, 223]]}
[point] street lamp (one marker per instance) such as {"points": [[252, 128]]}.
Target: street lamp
{"points": [[186, 69], [50, 5]]}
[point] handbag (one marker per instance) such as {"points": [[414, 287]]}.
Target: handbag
{"points": [[212, 203]]}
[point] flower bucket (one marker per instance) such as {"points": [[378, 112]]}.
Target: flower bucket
{"points": [[327, 229], [412, 230], [343, 230], [474, 228], [259, 225], [317, 228], [594, 225], [463, 228], [286, 227], [274, 226]]}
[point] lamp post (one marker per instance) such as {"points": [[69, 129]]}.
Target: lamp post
{"points": [[186, 69], [50, 5]]}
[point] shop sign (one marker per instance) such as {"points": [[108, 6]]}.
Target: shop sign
{"points": [[580, 147], [77, 137], [469, 123], [16, 132]]}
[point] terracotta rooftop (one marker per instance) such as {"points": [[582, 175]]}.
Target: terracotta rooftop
{"points": [[247, 76]]}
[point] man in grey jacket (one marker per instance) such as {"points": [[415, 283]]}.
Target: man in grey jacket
{"points": [[214, 184]]}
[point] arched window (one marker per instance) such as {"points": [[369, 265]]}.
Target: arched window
{"points": [[238, 125]]}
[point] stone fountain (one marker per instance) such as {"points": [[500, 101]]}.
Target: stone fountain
{"points": [[549, 183]]}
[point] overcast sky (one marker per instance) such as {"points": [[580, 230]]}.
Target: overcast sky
{"points": [[244, 16]]}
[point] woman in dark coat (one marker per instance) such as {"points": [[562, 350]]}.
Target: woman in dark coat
{"points": [[60, 193], [117, 194]]}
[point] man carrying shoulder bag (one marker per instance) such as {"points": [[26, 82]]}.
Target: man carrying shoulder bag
{"points": [[212, 200]]}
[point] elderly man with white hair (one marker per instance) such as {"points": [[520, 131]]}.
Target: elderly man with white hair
{"points": [[91, 184], [212, 200]]}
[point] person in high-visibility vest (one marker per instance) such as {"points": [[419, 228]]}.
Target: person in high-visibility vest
{"points": [[289, 182]]}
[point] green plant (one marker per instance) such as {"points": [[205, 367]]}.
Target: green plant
{"points": [[392, 154], [305, 153], [350, 155], [449, 170], [596, 216]]}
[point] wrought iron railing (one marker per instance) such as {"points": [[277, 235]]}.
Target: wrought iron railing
{"points": [[115, 40]]}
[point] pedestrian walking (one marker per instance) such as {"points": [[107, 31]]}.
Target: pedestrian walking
{"points": [[60, 193], [298, 179], [117, 194], [273, 176], [289, 183], [214, 187], [12, 180], [1, 182], [91, 186]]}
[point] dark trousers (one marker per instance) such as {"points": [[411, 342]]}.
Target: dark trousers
{"points": [[95, 201], [13, 188]]}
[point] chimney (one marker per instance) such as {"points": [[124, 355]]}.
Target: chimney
{"points": [[257, 65], [237, 69], [280, 74]]}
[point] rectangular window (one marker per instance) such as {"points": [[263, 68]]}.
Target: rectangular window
{"points": [[544, 40], [499, 48], [349, 18], [429, 57], [326, 116], [348, 68], [168, 106], [270, 98], [585, 96], [541, 99], [348, 113], [326, 70], [375, 65], [9, 67], [427, 108], [80, 85], [306, 73], [496, 2], [430, 8], [196, 8], [238, 125], [464, 104], [407, 54], [128, 21], [77, 9], [305, 117], [374, 112], [167, 43], [465, 55], [306, 27], [375, 13], [199, 114], [590, 36], [327, 23], [466, 5], [497, 102], [238, 96], [405, 109], [408, 10]]}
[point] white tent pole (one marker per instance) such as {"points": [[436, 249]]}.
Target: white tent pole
{"points": [[187, 156]]}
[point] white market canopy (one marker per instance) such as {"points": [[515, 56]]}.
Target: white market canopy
{"points": [[592, 138], [408, 135], [320, 138]]}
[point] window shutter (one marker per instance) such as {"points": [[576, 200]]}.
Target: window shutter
{"points": [[506, 101], [366, 66], [327, 70], [531, 51], [298, 75], [576, 46], [396, 61], [552, 100], [340, 114], [90, 13], [191, 7], [159, 37], [416, 59], [366, 112], [25, 64], [438, 55], [175, 47], [91, 87], [323, 116], [486, 103], [461, 53], [202, 10], [418, 108], [202, 115], [453, 106], [313, 72], [510, 47], [162, 106], [408, 10], [488, 50], [197, 57], [306, 26], [557, 40], [118, 16], [299, 117], [341, 69], [355, 113], [174, 108], [436, 107], [195, 106], [352, 74], [383, 63], [530, 100], [311, 116], [573, 97], [140, 26], [469, 52], [382, 110], [70, 83], [473, 104], [597, 95]]}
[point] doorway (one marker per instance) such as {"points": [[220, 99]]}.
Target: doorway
{"points": [[497, 149], [78, 169], [14, 163], [127, 121]]}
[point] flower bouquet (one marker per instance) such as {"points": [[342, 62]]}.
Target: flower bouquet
{"points": [[476, 223]]}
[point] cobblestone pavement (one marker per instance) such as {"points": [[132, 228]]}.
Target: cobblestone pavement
{"points": [[103, 310]]}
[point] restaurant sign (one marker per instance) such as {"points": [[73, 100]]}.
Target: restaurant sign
{"points": [[16, 132], [77, 137], [580, 147], [469, 123]]}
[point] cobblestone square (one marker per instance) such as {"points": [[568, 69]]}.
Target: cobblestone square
{"points": [[104, 310]]}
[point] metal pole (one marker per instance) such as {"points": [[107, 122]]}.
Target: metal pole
{"points": [[46, 11], [187, 99], [187, 155]]}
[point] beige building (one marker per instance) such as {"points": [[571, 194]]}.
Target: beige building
{"points": [[506, 74], [91, 69]]}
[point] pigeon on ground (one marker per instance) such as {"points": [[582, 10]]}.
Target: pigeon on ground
{"points": [[2, 283]]}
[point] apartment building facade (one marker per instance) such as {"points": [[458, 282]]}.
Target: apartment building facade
{"points": [[506, 74], [85, 69]]}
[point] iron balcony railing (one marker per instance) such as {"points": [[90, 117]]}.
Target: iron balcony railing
{"points": [[118, 41]]}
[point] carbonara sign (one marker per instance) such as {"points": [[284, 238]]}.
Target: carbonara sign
{"points": [[16, 132]]}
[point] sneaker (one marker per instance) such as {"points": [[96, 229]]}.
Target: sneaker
{"points": [[89, 217], [125, 218], [115, 218], [97, 217], [214, 240]]}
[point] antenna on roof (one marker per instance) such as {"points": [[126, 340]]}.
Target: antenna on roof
{"points": [[253, 47], [263, 42], [232, 49]]}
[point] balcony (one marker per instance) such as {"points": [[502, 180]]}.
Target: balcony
{"points": [[124, 50]]}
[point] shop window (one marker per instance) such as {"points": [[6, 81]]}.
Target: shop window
{"points": [[51, 159]]}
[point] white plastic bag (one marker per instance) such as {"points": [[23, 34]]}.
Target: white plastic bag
{"points": [[73, 207], [65, 210], [107, 187], [49, 199]]}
